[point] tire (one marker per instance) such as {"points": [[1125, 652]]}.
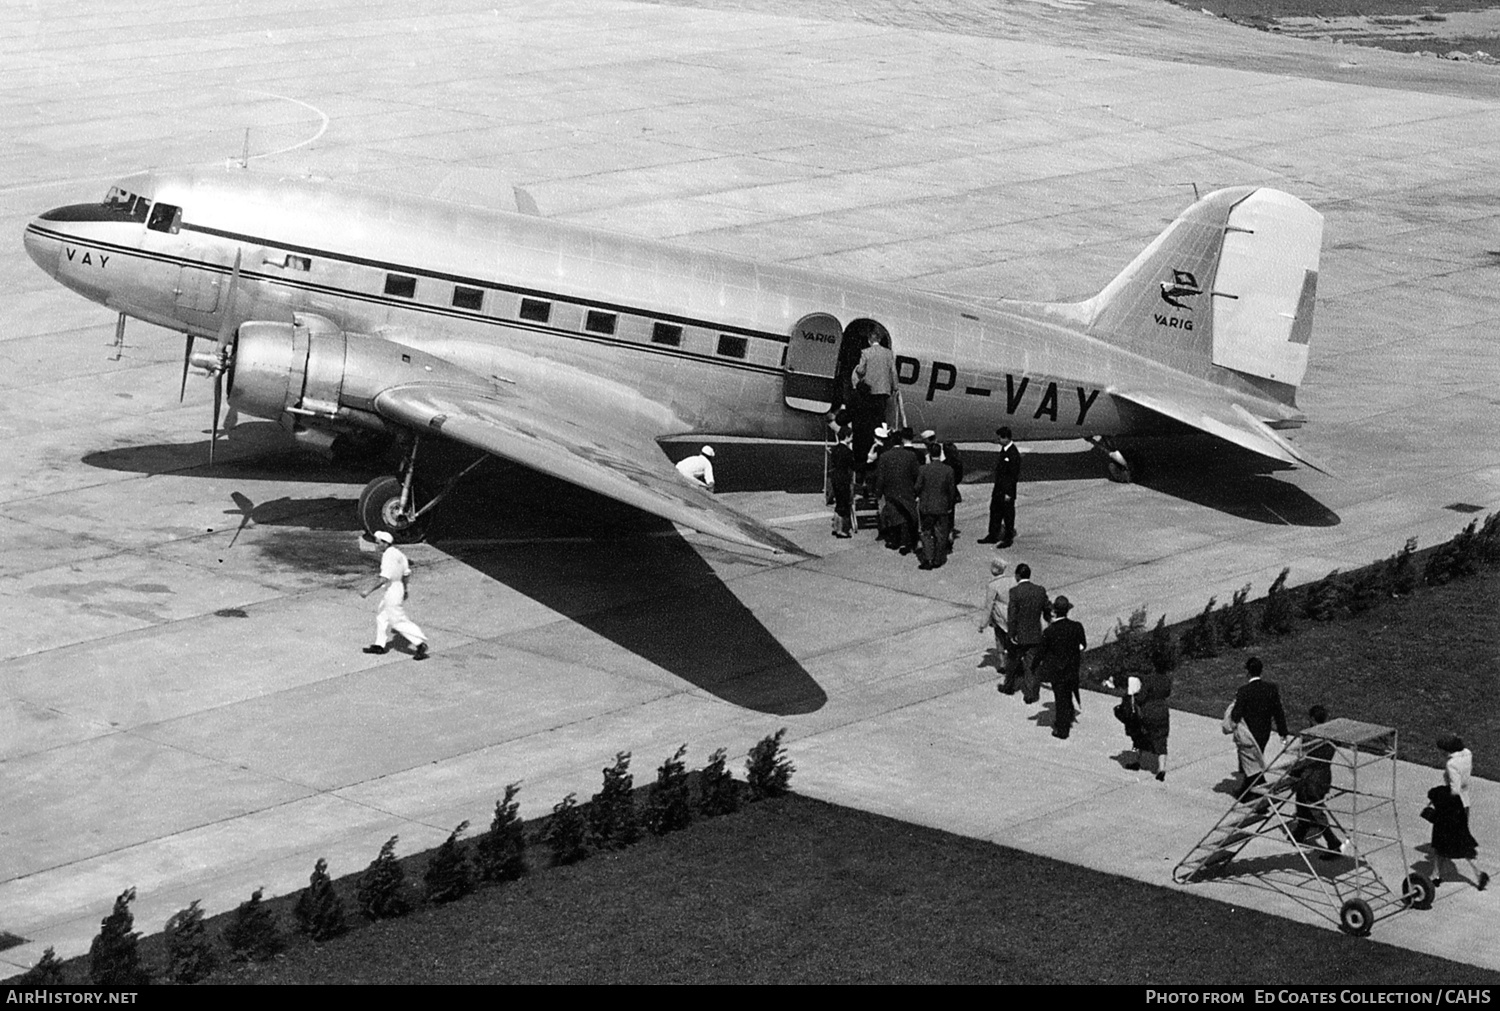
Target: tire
{"points": [[1118, 474], [1356, 918], [1417, 891], [378, 503]]}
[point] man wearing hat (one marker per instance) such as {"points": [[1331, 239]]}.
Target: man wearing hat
{"points": [[1003, 499], [395, 570], [896, 485], [699, 468], [937, 493], [1058, 661]]}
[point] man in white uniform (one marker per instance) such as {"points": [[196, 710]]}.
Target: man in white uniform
{"points": [[698, 468], [394, 571]]}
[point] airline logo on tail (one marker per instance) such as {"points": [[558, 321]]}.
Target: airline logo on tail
{"points": [[1183, 285]]}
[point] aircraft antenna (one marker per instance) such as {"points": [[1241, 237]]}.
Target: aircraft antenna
{"points": [[245, 155]]}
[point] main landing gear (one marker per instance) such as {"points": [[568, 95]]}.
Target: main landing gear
{"points": [[390, 502], [1123, 469]]}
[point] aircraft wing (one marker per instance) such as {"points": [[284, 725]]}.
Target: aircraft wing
{"points": [[594, 447], [1222, 419]]}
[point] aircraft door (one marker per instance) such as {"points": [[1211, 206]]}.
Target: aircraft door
{"points": [[812, 358]]}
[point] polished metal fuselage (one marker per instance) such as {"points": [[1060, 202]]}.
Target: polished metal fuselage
{"points": [[333, 251]]}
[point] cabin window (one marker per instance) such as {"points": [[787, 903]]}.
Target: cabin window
{"points": [[666, 333], [599, 322], [732, 347], [467, 298], [401, 286], [536, 310], [165, 218], [295, 262]]}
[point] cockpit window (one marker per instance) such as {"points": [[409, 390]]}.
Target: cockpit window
{"points": [[122, 205], [165, 218]]}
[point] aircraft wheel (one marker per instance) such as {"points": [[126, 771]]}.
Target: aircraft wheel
{"points": [[1356, 918], [380, 509], [1117, 473], [1417, 891]]}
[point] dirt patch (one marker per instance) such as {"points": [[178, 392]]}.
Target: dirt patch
{"points": [[1463, 30]]}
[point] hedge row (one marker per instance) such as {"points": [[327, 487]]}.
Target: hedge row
{"points": [[612, 819], [1238, 623]]}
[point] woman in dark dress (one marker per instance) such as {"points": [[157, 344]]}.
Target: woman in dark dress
{"points": [[1147, 718], [1448, 810]]}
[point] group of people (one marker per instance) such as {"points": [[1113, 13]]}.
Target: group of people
{"points": [[1257, 710], [914, 483], [1030, 653]]}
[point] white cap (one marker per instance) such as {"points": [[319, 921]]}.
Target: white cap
{"points": [[708, 451], [384, 537], [928, 435], [882, 431]]}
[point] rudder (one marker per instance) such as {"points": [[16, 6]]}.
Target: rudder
{"points": [[1230, 284]]}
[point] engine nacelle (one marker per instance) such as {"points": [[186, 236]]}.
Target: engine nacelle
{"points": [[288, 368]]}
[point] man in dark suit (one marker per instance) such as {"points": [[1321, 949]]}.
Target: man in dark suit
{"points": [[1028, 606], [896, 484], [1058, 661], [1258, 703], [1003, 499], [936, 492]]}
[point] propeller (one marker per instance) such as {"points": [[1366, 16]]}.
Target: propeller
{"points": [[217, 363], [187, 358]]}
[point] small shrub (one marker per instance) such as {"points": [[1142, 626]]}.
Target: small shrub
{"points": [[253, 935], [1131, 654], [670, 807], [567, 834], [1235, 628], [612, 814], [381, 893], [450, 874], [1201, 638], [768, 771], [1276, 618], [502, 850], [114, 955], [718, 790], [190, 951], [1161, 646], [1364, 589], [1401, 569], [1454, 560], [46, 972], [1487, 542], [1324, 598], [319, 910]]}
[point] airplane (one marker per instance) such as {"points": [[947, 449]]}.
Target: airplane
{"points": [[343, 312]]}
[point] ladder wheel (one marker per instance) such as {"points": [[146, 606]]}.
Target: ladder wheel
{"points": [[1356, 918], [1417, 891]]}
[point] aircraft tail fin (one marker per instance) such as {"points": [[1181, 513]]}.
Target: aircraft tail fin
{"points": [[1230, 285]]}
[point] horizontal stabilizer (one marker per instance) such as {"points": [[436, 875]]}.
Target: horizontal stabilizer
{"points": [[593, 447], [1223, 420]]}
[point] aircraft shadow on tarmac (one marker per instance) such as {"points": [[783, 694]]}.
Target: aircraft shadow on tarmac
{"points": [[1204, 472], [623, 574]]}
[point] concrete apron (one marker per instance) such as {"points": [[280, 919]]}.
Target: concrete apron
{"points": [[978, 764]]}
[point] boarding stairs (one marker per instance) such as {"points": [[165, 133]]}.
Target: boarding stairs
{"points": [[1260, 829]]}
